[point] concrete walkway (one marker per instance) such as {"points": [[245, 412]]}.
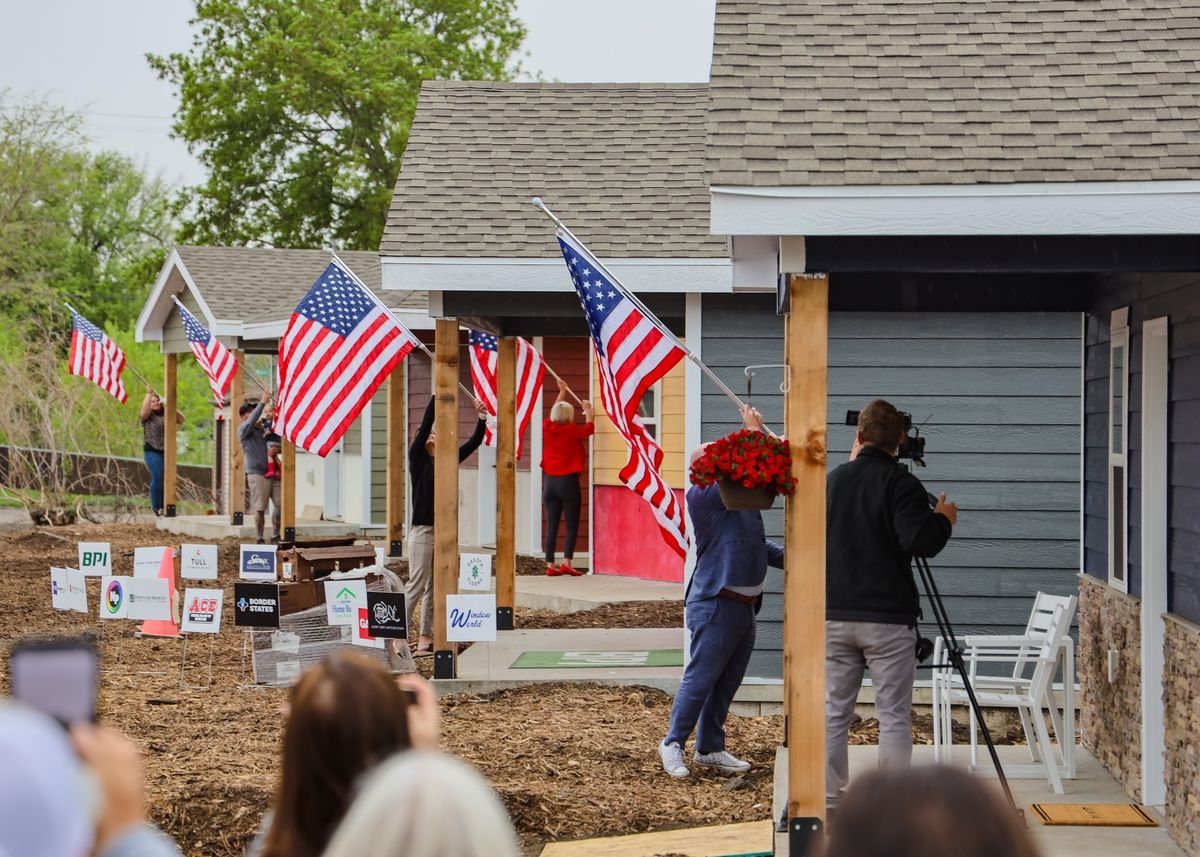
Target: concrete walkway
{"points": [[218, 527], [1092, 785], [572, 594]]}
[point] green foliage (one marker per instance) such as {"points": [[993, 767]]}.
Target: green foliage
{"points": [[89, 228], [300, 109]]}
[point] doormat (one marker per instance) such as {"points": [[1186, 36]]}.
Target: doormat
{"points": [[598, 660], [1094, 814]]}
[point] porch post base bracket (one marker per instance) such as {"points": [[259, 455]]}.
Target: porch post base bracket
{"points": [[806, 836], [504, 619], [395, 548], [443, 664], [169, 512], [238, 519], [289, 535]]}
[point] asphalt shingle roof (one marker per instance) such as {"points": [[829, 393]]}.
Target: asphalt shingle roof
{"points": [[263, 284], [884, 92], [622, 164]]}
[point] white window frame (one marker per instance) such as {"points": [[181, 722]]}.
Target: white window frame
{"points": [[1118, 575], [656, 420]]}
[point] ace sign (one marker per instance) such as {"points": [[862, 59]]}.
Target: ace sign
{"points": [[202, 611]]}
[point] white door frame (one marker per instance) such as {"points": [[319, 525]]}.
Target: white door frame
{"points": [[333, 484], [1154, 455]]}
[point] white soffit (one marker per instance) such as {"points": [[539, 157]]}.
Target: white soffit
{"points": [[260, 330], [550, 275], [1062, 208]]}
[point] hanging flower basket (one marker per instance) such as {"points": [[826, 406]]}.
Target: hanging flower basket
{"points": [[738, 498], [750, 468]]}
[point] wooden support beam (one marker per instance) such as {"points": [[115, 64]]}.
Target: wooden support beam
{"points": [[445, 492], [506, 483], [287, 506], [237, 461], [170, 445], [807, 344], [397, 463]]}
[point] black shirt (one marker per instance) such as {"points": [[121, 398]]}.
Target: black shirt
{"points": [[420, 467], [877, 519]]}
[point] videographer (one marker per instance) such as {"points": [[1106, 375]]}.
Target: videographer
{"points": [[878, 517]]}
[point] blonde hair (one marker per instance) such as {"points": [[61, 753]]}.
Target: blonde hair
{"points": [[402, 806], [562, 412]]}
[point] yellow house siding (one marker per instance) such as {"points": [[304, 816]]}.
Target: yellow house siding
{"points": [[609, 452]]}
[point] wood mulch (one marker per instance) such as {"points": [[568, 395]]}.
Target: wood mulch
{"points": [[569, 761]]}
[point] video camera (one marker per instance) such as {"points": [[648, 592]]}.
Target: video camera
{"points": [[913, 445]]}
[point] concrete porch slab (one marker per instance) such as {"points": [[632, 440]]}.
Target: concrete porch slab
{"points": [[1092, 785], [218, 527], [572, 594]]}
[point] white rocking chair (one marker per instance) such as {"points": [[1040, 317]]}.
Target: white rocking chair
{"points": [[1045, 642]]}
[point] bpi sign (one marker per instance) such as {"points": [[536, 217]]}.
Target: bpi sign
{"points": [[95, 559]]}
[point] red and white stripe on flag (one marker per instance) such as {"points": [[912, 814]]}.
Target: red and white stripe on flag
{"points": [[214, 358], [96, 357], [531, 370], [632, 354], [339, 347]]}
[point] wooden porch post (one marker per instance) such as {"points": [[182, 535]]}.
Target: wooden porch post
{"points": [[237, 462], [287, 511], [396, 462], [445, 492], [807, 333], [170, 447], [506, 483]]}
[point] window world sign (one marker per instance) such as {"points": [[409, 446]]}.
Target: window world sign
{"points": [[95, 559], [471, 618]]}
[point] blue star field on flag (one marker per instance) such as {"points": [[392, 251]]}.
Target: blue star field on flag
{"points": [[597, 296], [483, 340], [336, 302]]}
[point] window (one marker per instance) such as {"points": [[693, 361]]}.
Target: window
{"points": [[1118, 449], [649, 407]]}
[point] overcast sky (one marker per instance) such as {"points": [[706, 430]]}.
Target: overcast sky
{"points": [[89, 56]]}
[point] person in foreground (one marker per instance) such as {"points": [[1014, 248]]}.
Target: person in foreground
{"points": [[926, 811], [720, 606], [347, 715], [564, 458], [420, 533], [72, 794], [423, 804], [878, 517]]}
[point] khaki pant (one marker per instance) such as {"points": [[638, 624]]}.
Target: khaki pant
{"points": [[420, 577], [260, 491], [890, 653]]}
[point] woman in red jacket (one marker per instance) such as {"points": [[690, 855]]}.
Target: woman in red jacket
{"points": [[564, 458]]}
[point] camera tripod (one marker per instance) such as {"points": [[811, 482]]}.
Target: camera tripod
{"points": [[954, 653]]}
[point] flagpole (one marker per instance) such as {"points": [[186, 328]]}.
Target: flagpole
{"points": [[383, 307], [567, 387], [732, 396]]}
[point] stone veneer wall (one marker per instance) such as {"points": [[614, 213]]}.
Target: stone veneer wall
{"points": [[1181, 697], [1111, 713]]}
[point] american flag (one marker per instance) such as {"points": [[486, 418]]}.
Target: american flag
{"points": [[632, 353], [339, 347], [530, 371], [214, 358], [96, 357]]}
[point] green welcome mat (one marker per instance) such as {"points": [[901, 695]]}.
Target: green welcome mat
{"points": [[598, 660]]}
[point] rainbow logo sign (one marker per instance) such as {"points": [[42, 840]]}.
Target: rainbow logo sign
{"points": [[113, 596]]}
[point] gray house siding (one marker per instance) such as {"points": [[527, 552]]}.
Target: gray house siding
{"points": [[1148, 296], [998, 396]]}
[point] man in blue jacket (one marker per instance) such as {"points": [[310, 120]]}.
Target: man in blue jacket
{"points": [[723, 597]]}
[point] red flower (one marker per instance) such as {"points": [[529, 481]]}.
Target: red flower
{"points": [[752, 458]]}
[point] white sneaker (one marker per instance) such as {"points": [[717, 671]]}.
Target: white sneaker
{"points": [[672, 760], [722, 761]]}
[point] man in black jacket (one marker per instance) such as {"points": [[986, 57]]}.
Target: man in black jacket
{"points": [[877, 519], [420, 533]]}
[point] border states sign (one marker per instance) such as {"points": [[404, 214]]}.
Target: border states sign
{"points": [[256, 605]]}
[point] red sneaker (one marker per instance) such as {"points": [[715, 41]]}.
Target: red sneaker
{"points": [[551, 571], [566, 569]]}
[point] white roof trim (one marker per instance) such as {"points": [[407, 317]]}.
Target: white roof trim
{"points": [[261, 330], [1059, 208], [158, 306], [440, 274]]}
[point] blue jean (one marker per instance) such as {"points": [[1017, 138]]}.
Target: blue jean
{"points": [[722, 640], [154, 463]]}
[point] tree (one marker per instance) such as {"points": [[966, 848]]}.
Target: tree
{"points": [[300, 109], [89, 228]]}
